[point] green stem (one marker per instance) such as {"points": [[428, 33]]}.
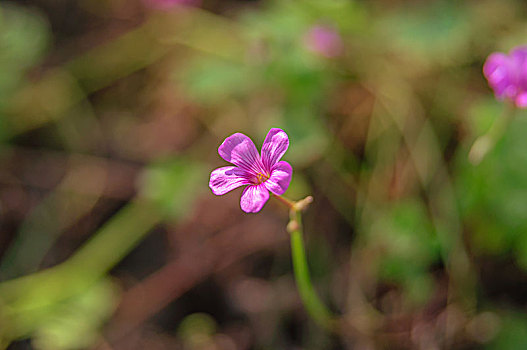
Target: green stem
{"points": [[26, 302], [109, 245], [485, 143], [314, 306], [23, 297]]}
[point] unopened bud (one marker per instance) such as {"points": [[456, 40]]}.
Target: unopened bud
{"points": [[293, 226], [303, 203]]}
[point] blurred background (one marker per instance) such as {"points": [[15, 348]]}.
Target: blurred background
{"points": [[111, 113]]}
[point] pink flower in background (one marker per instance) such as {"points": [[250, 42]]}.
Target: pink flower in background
{"points": [[507, 75], [261, 173], [168, 4], [323, 40]]}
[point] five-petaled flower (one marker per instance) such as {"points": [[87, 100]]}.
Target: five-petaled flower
{"points": [[261, 173], [507, 75]]}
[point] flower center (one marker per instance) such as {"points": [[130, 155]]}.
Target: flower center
{"points": [[261, 178]]}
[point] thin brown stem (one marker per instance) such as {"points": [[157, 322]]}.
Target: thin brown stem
{"points": [[288, 203]]}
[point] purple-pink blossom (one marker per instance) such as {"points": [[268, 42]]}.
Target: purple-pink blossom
{"points": [[261, 173], [507, 75], [323, 40]]}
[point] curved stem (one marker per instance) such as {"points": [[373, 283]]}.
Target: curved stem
{"points": [[288, 203], [486, 142], [314, 306], [23, 298]]}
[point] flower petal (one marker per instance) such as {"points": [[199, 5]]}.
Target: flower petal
{"points": [[254, 198], [274, 147], [519, 54], [280, 178], [241, 151], [226, 179], [499, 71], [519, 58], [521, 100]]}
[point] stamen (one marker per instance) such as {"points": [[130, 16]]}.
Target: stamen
{"points": [[260, 177]]}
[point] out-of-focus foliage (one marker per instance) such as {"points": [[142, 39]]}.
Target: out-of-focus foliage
{"points": [[291, 82], [512, 335], [24, 38], [174, 185], [406, 245], [75, 324], [432, 33], [111, 114], [492, 194]]}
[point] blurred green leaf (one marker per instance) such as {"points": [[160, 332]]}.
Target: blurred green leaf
{"points": [[175, 184], [197, 324], [309, 137], [435, 32], [211, 81], [483, 113], [513, 334], [408, 246], [75, 323], [406, 231], [419, 288], [24, 37], [492, 194]]}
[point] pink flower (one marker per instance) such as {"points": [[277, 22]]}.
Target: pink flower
{"points": [[261, 173], [323, 40], [507, 75], [168, 4]]}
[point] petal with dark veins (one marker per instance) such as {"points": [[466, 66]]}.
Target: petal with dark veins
{"points": [[254, 198], [226, 179], [241, 151], [274, 147], [280, 178]]}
